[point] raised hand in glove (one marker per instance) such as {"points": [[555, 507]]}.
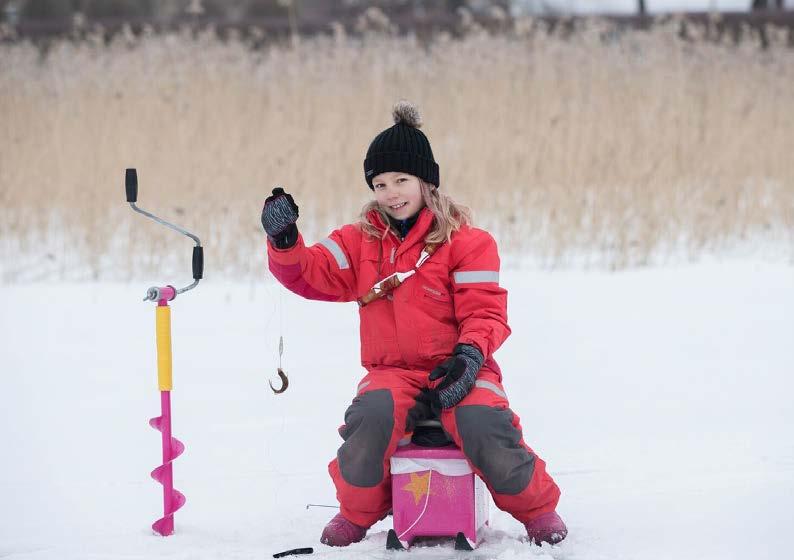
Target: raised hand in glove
{"points": [[459, 372], [278, 218]]}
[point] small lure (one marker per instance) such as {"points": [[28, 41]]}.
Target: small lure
{"points": [[281, 374]]}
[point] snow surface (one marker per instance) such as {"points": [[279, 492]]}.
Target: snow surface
{"points": [[661, 400]]}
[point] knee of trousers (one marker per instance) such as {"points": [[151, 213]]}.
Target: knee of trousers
{"points": [[369, 424], [493, 445]]}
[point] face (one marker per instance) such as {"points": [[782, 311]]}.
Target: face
{"points": [[399, 194]]}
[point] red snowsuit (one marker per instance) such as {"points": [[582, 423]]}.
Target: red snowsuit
{"points": [[454, 297]]}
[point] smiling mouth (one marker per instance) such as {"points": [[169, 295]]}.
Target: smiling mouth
{"points": [[398, 206]]}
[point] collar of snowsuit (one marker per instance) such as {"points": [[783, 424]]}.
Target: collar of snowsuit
{"points": [[416, 227], [404, 226]]}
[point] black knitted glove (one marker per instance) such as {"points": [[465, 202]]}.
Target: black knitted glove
{"points": [[459, 372], [278, 218]]}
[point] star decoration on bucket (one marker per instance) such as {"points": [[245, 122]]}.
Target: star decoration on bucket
{"points": [[419, 486]]}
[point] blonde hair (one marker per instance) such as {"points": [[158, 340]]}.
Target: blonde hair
{"points": [[449, 216]]}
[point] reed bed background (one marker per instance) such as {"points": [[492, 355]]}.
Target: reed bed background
{"points": [[592, 149]]}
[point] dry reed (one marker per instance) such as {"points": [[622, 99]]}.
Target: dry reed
{"points": [[571, 150]]}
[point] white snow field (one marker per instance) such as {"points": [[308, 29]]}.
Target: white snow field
{"points": [[660, 398]]}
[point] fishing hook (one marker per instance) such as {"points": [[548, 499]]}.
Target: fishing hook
{"points": [[281, 374], [284, 382]]}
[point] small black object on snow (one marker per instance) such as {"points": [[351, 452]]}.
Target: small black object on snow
{"points": [[307, 550]]}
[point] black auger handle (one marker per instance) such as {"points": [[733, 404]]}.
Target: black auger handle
{"points": [[198, 262], [131, 184]]}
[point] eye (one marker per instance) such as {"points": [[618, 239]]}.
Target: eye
{"points": [[401, 179], [379, 186]]}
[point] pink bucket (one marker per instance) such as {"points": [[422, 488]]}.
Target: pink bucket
{"points": [[436, 494]]}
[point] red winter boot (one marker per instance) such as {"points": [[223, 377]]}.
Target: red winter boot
{"points": [[341, 532], [548, 528]]}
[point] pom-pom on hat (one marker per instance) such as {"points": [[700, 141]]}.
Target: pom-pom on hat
{"points": [[402, 147]]}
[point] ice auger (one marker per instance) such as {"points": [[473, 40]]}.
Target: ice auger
{"points": [[172, 447]]}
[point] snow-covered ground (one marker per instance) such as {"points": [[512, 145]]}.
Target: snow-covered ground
{"points": [[661, 400]]}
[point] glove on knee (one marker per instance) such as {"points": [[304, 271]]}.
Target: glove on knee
{"points": [[459, 372]]}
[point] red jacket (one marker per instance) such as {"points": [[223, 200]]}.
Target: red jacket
{"points": [[453, 297]]}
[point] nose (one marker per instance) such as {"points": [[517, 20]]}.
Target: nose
{"points": [[391, 191]]}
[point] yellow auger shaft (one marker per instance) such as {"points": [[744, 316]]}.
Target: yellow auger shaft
{"points": [[164, 347]]}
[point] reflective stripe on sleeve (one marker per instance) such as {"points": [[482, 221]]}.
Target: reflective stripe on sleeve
{"points": [[336, 251], [362, 386], [474, 276], [491, 387]]}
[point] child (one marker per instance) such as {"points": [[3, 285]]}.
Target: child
{"points": [[427, 339]]}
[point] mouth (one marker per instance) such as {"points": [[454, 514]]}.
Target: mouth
{"points": [[398, 206]]}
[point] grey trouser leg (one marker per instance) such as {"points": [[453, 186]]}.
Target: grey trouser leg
{"points": [[493, 445], [369, 423]]}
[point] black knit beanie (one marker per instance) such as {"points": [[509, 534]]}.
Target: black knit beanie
{"points": [[402, 147]]}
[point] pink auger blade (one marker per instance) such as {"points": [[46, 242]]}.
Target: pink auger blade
{"points": [[172, 448]]}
